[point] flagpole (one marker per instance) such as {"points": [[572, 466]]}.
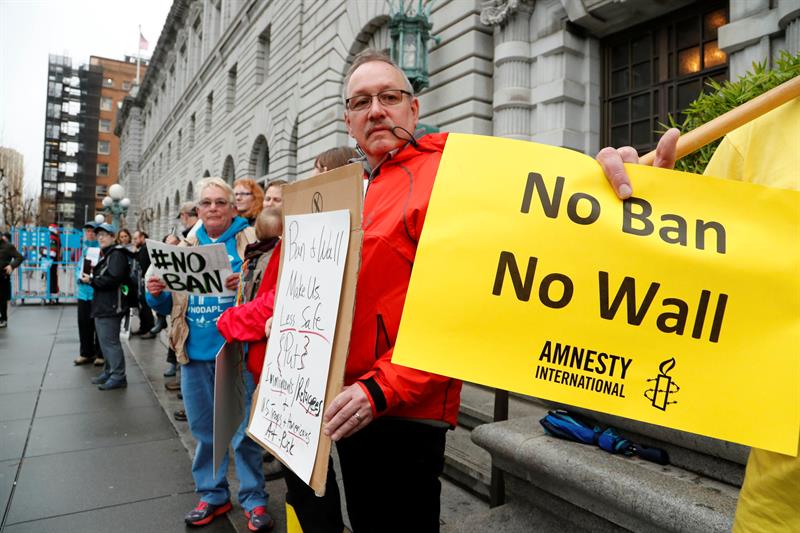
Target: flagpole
{"points": [[139, 54]]}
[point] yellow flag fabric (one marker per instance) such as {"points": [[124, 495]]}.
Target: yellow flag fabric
{"points": [[766, 151], [292, 522], [672, 308]]}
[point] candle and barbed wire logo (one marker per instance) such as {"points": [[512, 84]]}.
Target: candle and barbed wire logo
{"points": [[665, 388]]}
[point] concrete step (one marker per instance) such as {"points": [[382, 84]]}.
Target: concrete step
{"points": [[467, 464], [477, 406], [512, 518], [604, 492], [717, 459], [713, 458]]}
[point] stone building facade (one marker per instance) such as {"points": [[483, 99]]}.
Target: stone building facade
{"points": [[253, 88]]}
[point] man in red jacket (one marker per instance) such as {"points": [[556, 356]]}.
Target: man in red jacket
{"points": [[389, 421]]}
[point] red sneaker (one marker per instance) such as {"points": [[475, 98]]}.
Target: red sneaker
{"points": [[259, 520], [205, 513]]}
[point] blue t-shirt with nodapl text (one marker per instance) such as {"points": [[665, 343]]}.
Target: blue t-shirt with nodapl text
{"points": [[204, 339]]}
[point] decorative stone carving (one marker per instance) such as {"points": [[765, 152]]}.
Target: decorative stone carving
{"points": [[496, 12], [195, 10]]}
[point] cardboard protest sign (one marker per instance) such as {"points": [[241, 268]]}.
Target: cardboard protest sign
{"points": [[229, 395], [339, 189], [198, 270], [295, 374], [677, 307]]}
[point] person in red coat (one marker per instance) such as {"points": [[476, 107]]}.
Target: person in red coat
{"points": [[389, 422], [255, 298]]}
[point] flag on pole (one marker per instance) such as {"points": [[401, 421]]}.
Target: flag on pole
{"points": [[142, 46]]}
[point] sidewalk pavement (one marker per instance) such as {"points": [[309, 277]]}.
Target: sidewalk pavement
{"points": [[74, 458]]}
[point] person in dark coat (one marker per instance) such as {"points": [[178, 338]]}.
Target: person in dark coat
{"points": [[146, 321], [109, 280], [54, 253], [10, 258]]}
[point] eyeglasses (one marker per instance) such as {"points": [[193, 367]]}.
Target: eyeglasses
{"points": [[389, 98], [205, 204], [243, 194]]}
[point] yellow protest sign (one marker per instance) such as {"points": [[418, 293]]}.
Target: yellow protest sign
{"points": [[679, 307]]}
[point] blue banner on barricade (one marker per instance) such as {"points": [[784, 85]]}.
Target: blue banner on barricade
{"points": [[48, 274]]}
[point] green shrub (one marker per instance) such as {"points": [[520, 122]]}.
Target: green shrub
{"points": [[724, 97]]}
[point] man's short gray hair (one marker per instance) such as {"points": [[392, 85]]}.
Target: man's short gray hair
{"points": [[217, 182], [370, 55]]}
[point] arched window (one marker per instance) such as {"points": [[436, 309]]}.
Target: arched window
{"points": [[206, 174], [228, 170], [259, 159], [291, 172], [190, 191]]}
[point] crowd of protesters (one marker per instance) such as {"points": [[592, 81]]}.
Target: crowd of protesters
{"points": [[388, 422]]}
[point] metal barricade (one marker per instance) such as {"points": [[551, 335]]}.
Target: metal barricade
{"points": [[48, 274]]}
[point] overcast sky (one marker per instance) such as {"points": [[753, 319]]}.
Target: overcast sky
{"points": [[32, 29]]}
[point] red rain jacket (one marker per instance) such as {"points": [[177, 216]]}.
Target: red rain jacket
{"points": [[245, 322], [394, 212]]}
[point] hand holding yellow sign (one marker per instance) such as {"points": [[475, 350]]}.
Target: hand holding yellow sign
{"points": [[679, 306]]}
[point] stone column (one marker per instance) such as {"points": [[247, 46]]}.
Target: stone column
{"points": [[511, 102], [566, 81], [789, 20], [757, 32]]}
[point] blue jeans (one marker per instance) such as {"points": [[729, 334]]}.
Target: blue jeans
{"points": [[107, 328], [197, 387]]}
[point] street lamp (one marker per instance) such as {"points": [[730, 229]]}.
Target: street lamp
{"points": [[410, 31], [115, 204]]}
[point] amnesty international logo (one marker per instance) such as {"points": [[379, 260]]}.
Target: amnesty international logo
{"points": [[665, 388]]}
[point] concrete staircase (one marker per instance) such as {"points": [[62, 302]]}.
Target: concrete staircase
{"points": [[554, 485]]}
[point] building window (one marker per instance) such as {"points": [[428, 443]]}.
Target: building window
{"points": [[291, 173], [178, 145], [262, 56], [259, 159], [108, 82], [126, 86], [105, 125], [231, 95], [182, 74], [192, 124], [106, 104], [209, 110], [103, 147], [655, 70], [102, 169], [229, 170], [50, 173]]}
